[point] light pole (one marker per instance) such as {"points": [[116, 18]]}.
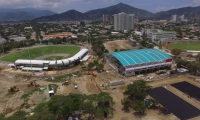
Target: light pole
{"points": [[2, 47], [187, 45], [30, 58]]}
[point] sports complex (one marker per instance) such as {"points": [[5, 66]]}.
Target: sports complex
{"points": [[133, 62], [24, 59]]}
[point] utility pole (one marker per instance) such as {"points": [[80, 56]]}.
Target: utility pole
{"points": [[2, 48]]}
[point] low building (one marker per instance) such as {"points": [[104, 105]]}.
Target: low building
{"points": [[2, 40], [55, 35], [158, 37], [138, 33], [17, 39]]}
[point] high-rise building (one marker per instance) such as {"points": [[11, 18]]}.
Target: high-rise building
{"points": [[108, 18], [174, 18], [182, 17], [123, 21]]}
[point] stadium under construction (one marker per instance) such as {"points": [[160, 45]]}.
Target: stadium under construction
{"points": [[134, 62]]}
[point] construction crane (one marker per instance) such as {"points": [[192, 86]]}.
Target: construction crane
{"points": [[13, 89], [32, 83]]}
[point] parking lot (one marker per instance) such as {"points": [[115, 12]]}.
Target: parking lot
{"points": [[180, 108], [189, 89]]}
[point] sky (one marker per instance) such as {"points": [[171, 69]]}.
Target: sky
{"points": [[60, 6]]}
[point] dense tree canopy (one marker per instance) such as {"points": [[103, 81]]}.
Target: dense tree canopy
{"points": [[138, 91], [135, 97], [96, 105], [176, 51], [66, 105]]}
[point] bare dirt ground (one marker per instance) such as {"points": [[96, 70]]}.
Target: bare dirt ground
{"points": [[117, 94], [118, 44], [49, 55], [87, 84]]}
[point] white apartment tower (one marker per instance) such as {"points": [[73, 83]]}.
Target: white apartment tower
{"points": [[174, 18], [123, 21], [182, 18]]}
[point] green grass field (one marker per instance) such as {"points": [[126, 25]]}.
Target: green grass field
{"points": [[185, 46], [54, 58], [40, 51]]}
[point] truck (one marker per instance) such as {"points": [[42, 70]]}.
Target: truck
{"points": [[161, 71]]}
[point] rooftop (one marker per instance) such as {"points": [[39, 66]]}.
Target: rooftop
{"points": [[165, 32], [140, 56]]}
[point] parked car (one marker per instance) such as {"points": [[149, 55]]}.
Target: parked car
{"points": [[75, 86], [70, 118]]}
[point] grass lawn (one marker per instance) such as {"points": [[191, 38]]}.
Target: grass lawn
{"points": [[185, 46], [54, 58], [40, 51]]}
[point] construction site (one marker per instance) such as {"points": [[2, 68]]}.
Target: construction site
{"points": [[118, 45], [25, 91], [21, 90]]}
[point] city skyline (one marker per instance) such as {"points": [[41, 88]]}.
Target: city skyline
{"points": [[60, 6]]}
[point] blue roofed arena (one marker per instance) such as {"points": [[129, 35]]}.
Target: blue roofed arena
{"points": [[134, 62]]}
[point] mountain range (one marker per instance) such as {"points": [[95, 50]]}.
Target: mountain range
{"points": [[22, 14], [97, 14], [189, 12], [46, 15]]}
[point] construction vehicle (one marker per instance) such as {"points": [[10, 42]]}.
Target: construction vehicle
{"points": [[66, 83], [92, 73], [32, 83], [13, 89], [161, 71]]}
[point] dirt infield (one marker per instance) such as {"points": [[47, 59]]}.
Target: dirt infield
{"points": [[49, 55], [118, 44]]}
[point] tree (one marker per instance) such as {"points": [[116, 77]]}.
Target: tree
{"points": [[58, 105], [90, 65], [140, 107], [126, 103], [198, 57], [176, 51], [137, 91], [99, 66], [89, 108], [28, 37], [98, 105]]}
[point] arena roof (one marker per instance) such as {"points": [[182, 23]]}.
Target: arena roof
{"points": [[140, 56]]}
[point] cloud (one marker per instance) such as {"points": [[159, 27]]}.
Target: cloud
{"points": [[165, 8], [46, 4]]}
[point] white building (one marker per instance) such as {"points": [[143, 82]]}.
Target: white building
{"points": [[174, 18], [2, 40], [138, 33], [17, 39], [123, 21], [163, 36], [182, 17], [159, 36]]}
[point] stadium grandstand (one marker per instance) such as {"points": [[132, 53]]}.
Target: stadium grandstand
{"points": [[40, 65], [134, 62]]}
